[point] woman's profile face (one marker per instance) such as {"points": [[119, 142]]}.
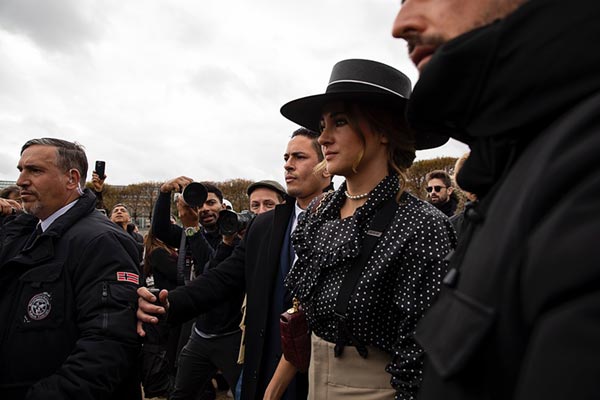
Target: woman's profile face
{"points": [[348, 143]]}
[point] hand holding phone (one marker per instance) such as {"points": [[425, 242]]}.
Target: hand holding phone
{"points": [[100, 169]]}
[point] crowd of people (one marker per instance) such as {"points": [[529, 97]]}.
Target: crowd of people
{"points": [[496, 298]]}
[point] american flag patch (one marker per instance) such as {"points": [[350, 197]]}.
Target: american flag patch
{"points": [[128, 277]]}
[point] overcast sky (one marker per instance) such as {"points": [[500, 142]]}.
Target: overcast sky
{"points": [[159, 89]]}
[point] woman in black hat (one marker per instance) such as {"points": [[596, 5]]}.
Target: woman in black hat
{"points": [[370, 255]]}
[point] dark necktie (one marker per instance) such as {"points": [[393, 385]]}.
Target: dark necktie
{"points": [[36, 233], [292, 253]]}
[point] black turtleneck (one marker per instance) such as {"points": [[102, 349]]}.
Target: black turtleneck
{"points": [[497, 87], [448, 208]]}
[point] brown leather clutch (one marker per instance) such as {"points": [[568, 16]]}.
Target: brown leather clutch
{"points": [[295, 336]]}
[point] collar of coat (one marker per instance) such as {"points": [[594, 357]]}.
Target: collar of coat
{"points": [[43, 248], [513, 77], [498, 87]]}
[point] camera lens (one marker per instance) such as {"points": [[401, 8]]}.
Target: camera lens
{"points": [[228, 222], [195, 194], [231, 222]]}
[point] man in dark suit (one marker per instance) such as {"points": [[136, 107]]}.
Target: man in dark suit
{"points": [[257, 266]]}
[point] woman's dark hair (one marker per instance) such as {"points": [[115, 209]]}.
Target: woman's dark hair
{"points": [[151, 243]]}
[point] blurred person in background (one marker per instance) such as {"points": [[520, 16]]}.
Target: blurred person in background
{"points": [[159, 351], [440, 192], [265, 195], [120, 216], [458, 220], [212, 343]]}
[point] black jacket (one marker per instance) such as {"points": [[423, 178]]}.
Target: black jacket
{"points": [[163, 265], [67, 308], [519, 318], [224, 318], [253, 267]]}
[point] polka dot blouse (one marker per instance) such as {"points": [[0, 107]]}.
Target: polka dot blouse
{"points": [[401, 279]]}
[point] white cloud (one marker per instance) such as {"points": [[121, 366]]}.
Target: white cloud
{"points": [[64, 25], [161, 89]]}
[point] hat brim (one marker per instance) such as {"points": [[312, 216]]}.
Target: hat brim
{"points": [[306, 112]]}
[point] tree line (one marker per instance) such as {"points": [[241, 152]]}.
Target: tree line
{"points": [[140, 197]]}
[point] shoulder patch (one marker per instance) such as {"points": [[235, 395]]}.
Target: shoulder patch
{"points": [[128, 277]]}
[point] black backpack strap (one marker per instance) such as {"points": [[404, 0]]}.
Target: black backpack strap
{"points": [[380, 223]]}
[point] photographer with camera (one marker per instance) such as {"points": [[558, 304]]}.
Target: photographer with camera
{"points": [[214, 341], [263, 196], [257, 266]]}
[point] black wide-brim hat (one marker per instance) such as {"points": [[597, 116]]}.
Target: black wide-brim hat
{"points": [[364, 80]]}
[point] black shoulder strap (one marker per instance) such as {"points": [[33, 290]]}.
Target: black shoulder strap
{"points": [[381, 221]]}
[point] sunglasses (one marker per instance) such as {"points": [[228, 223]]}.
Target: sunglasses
{"points": [[436, 188]]}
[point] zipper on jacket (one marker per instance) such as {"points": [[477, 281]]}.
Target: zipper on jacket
{"points": [[104, 305]]}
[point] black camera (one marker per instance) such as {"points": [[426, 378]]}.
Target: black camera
{"points": [[195, 194], [231, 222]]}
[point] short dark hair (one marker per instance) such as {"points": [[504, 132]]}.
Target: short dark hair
{"points": [[70, 155], [314, 136], [119, 205], [211, 188], [441, 175]]}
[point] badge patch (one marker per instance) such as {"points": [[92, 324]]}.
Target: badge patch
{"points": [[39, 306], [128, 277]]}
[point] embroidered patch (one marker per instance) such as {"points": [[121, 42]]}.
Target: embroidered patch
{"points": [[39, 306], [128, 277]]}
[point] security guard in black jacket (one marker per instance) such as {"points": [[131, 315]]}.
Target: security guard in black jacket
{"points": [[68, 280]]}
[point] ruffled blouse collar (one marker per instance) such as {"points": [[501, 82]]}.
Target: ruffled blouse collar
{"points": [[314, 256]]}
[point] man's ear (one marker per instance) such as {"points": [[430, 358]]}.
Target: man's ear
{"points": [[450, 190], [73, 179]]}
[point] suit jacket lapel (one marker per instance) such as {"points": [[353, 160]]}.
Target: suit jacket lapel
{"points": [[280, 223]]}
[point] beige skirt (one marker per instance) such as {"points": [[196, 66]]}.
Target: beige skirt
{"points": [[348, 376]]}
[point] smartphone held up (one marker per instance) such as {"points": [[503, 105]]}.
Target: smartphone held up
{"points": [[100, 169]]}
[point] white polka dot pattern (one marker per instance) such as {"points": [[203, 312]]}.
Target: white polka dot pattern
{"points": [[401, 279]]}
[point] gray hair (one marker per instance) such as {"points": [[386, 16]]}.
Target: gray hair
{"points": [[69, 155]]}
